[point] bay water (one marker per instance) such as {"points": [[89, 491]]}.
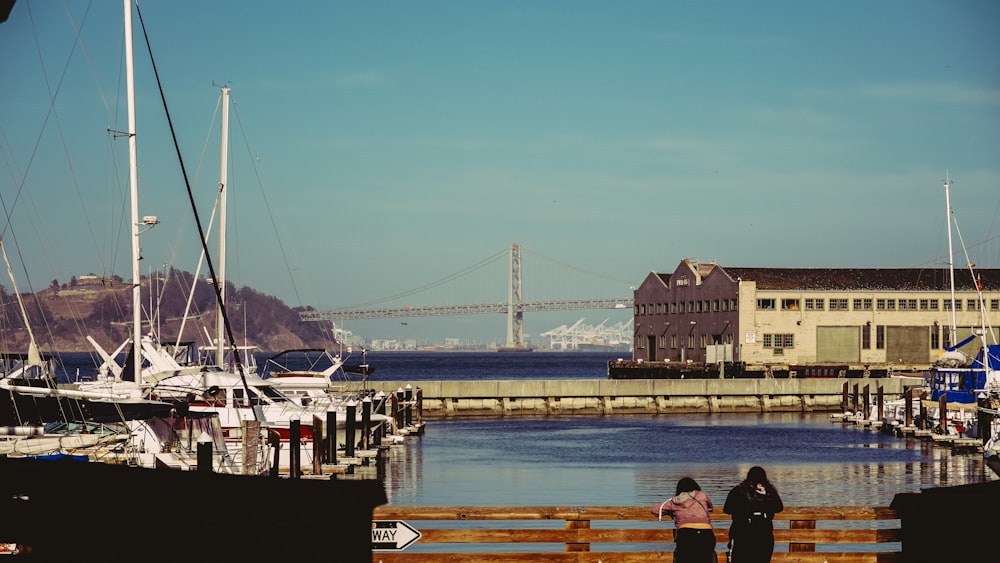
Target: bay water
{"points": [[633, 460]]}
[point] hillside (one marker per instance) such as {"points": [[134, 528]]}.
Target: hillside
{"points": [[63, 315]]}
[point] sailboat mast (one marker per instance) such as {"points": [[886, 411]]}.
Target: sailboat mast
{"points": [[134, 194], [223, 180], [951, 257]]}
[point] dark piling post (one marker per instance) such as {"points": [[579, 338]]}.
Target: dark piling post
{"points": [[366, 422], [380, 427], [400, 421], [317, 426], [985, 420], [420, 405], [408, 395], [866, 397], [205, 454], [943, 413], [908, 405], [844, 404], [274, 439], [923, 416], [881, 403], [350, 423], [295, 448], [855, 400], [331, 437]]}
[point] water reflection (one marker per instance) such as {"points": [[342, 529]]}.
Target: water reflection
{"points": [[638, 460]]}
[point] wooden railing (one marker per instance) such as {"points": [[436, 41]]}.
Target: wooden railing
{"points": [[812, 534]]}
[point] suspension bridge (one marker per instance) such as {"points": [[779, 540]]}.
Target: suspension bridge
{"points": [[513, 304]]}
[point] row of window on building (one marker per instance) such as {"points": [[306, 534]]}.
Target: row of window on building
{"points": [[778, 342], [813, 304]]}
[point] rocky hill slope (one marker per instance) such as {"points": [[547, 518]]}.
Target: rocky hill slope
{"points": [[62, 316]]}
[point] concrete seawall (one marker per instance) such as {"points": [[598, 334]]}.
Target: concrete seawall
{"points": [[544, 397]]}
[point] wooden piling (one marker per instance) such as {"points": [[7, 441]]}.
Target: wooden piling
{"points": [[844, 398], [366, 422], [943, 413], [317, 445], [331, 437], [866, 397], [408, 396], [855, 399], [205, 455], [294, 452], [908, 405], [350, 423], [881, 404]]}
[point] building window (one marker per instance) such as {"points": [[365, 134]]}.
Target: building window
{"points": [[863, 304], [779, 340], [924, 304], [935, 304], [935, 337], [866, 337], [946, 335], [907, 304], [880, 337], [703, 340], [789, 304], [838, 304], [690, 306], [732, 305], [958, 305], [690, 341], [972, 305], [673, 308], [715, 305], [636, 308], [673, 341], [880, 304], [765, 304], [815, 304], [725, 304], [663, 341], [994, 304], [890, 304]]}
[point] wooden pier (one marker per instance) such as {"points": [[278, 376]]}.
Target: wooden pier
{"points": [[601, 397]]}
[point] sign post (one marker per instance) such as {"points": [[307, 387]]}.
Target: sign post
{"points": [[392, 535]]}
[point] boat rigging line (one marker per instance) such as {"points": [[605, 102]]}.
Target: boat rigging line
{"points": [[197, 218]]}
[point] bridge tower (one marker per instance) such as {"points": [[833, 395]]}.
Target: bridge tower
{"points": [[515, 305]]}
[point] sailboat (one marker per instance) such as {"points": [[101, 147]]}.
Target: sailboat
{"points": [[222, 388], [955, 376]]}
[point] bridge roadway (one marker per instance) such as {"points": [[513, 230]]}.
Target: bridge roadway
{"points": [[447, 310]]}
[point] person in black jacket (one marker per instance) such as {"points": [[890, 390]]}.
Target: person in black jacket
{"points": [[752, 504]]}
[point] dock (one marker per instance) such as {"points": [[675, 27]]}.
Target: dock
{"points": [[605, 397]]}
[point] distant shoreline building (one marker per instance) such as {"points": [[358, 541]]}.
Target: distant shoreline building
{"points": [[803, 321]]}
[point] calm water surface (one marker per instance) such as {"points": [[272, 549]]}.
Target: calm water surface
{"points": [[637, 460]]}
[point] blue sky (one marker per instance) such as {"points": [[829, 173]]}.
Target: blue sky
{"points": [[385, 145]]}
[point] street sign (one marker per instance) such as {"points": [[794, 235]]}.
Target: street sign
{"points": [[392, 535]]}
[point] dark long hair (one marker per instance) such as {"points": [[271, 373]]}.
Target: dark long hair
{"points": [[687, 485], [756, 476]]}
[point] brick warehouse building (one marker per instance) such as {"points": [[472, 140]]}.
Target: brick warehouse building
{"points": [[804, 321]]}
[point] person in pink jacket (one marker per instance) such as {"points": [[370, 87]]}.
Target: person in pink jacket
{"points": [[691, 511]]}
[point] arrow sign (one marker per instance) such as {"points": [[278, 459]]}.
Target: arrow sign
{"points": [[392, 535]]}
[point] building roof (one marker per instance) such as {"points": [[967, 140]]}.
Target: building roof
{"points": [[864, 279]]}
